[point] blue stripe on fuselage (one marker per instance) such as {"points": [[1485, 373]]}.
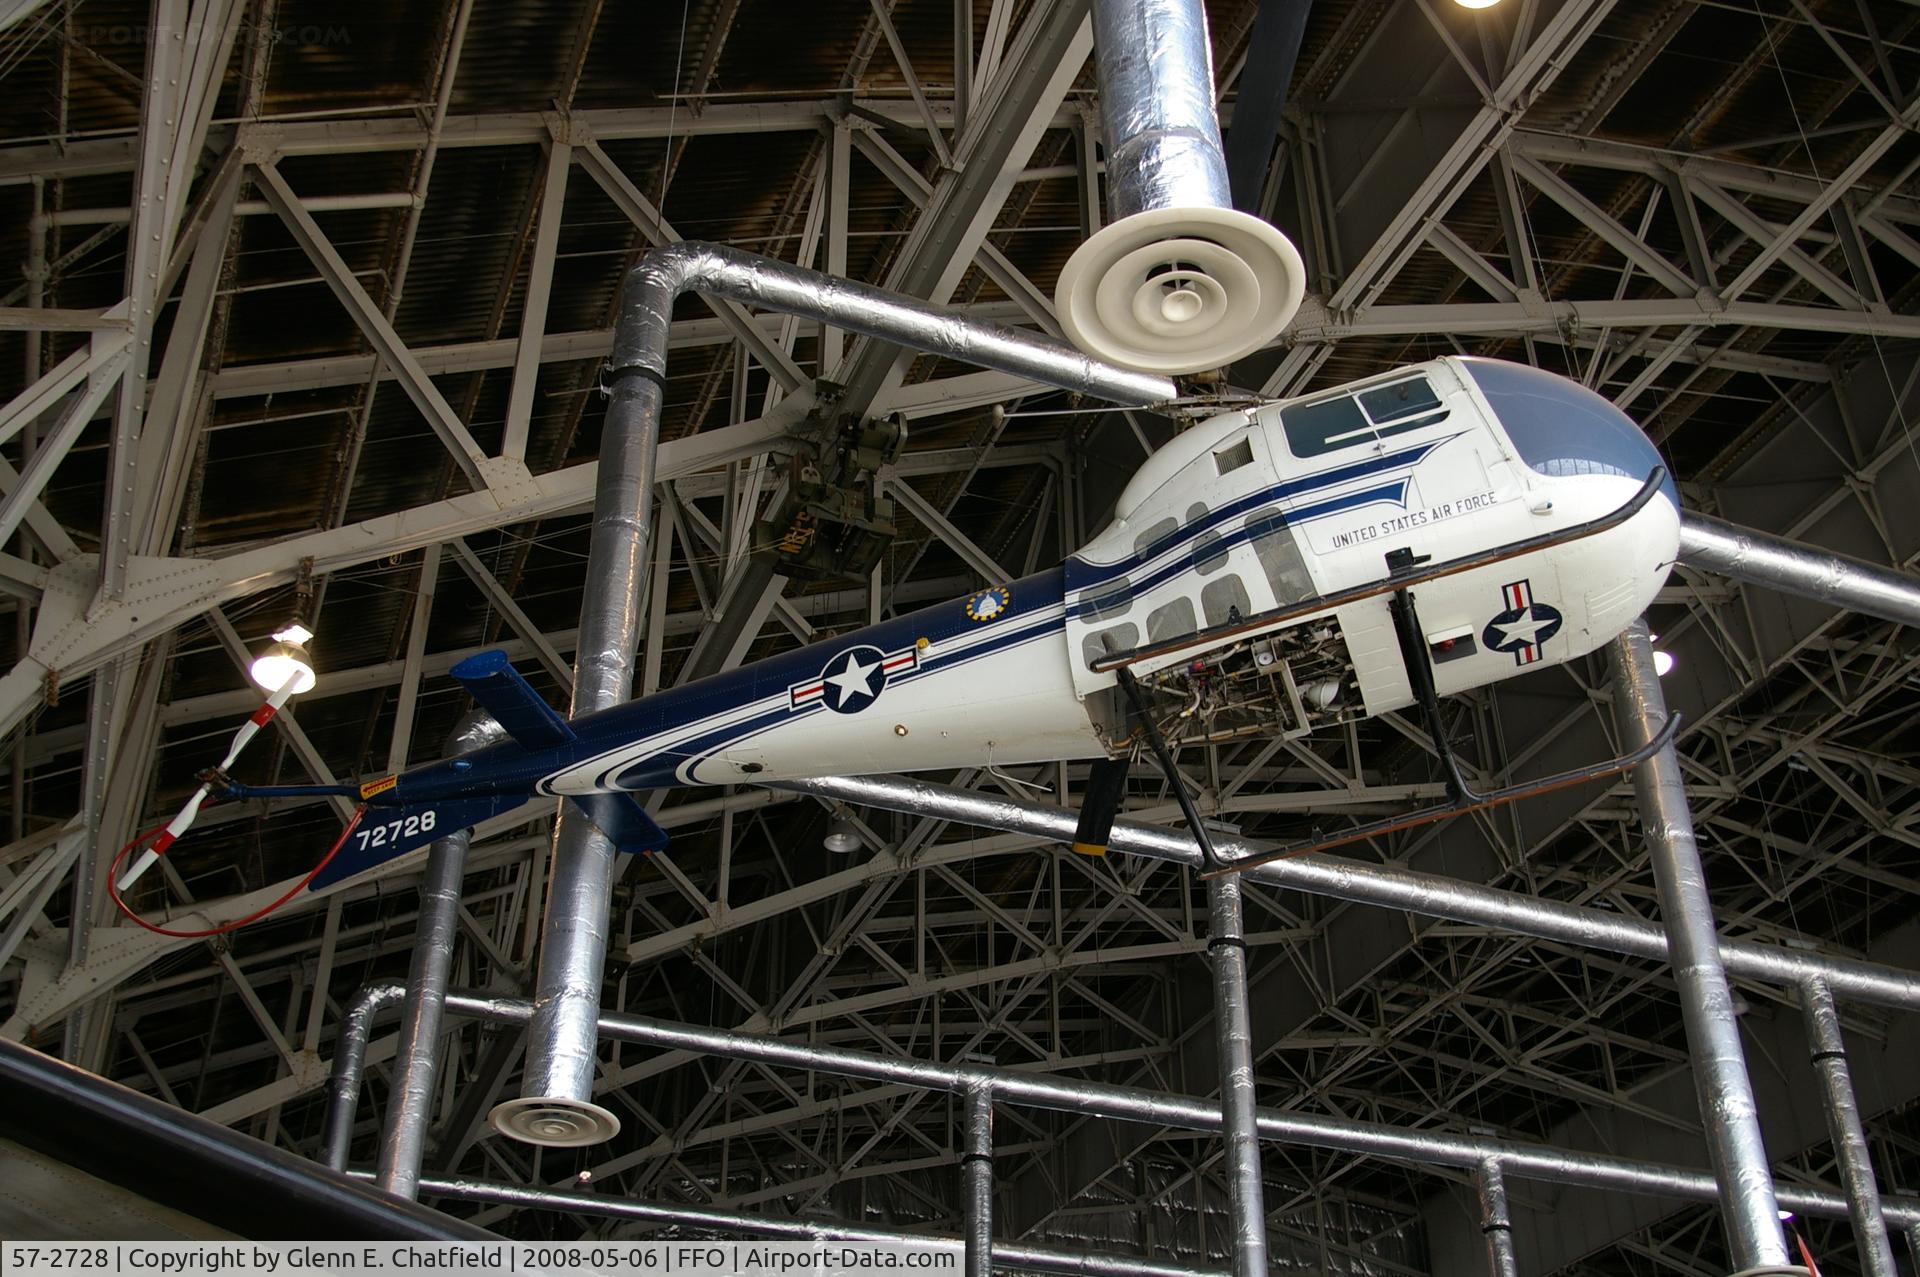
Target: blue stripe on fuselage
{"points": [[1395, 492], [1083, 574], [508, 767]]}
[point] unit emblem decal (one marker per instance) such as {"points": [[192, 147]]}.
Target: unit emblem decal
{"points": [[1523, 626], [988, 604], [853, 679]]}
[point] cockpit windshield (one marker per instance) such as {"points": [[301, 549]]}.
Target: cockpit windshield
{"points": [[1561, 428]]}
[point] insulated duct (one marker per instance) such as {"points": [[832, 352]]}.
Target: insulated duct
{"points": [[1136, 1104], [555, 1106], [1793, 567], [1386, 886], [1015, 1256], [430, 967], [1233, 1045], [1179, 280], [1729, 1117]]}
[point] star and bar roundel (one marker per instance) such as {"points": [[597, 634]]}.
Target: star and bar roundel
{"points": [[853, 679], [1524, 625]]}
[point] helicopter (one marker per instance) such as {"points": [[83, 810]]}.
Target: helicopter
{"points": [[1279, 568]]}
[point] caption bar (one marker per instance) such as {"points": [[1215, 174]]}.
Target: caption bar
{"points": [[626, 1259]]}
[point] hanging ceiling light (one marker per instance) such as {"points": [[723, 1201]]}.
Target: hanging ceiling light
{"points": [[1476, 4], [1662, 662], [286, 658], [841, 836]]}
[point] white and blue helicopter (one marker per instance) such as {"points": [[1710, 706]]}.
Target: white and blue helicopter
{"points": [[1276, 569]]}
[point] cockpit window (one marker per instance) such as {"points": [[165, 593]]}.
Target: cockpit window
{"points": [[1400, 400], [1314, 429]]}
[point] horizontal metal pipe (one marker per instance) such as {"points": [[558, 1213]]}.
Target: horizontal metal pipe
{"points": [[1011, 1255], [1386, 886], [640, 340], [196, 1166], [1127, 1103], [1793, 567]]}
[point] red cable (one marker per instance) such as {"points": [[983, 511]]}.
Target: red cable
{"points": [[113, 872]]}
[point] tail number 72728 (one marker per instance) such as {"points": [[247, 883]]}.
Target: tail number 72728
{"points": [[396, 830]]}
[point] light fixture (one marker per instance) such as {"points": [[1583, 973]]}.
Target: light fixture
{"points": [[1784, 1215], [285, 659], [1476, 4], [1662, 663], [841, 836]]}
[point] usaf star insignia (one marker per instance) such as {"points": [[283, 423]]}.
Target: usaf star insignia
{"points": [[1523, 626], [988, 604]]}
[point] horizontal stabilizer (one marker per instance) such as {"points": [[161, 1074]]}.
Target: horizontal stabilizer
{"points": [[499, 689], [623, 820], [386, 832]]}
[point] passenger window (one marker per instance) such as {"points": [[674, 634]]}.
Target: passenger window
{"points": [[1110, 642], [1144, 544], [1172, 620], [1196, 511], [1110, 601], [1209, 553], [1225, 602], [1229, 459], [1279, 556], [1317, 428]]}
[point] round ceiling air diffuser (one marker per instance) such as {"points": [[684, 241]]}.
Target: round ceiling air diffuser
{"points": [[1179, 290]]}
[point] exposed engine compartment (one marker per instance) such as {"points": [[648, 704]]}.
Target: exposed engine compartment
{"points": [[1287, 683]]}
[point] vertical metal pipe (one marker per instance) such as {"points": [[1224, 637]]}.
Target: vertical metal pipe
{"points": [[1233, 1041], [1828, 1052], [1156, 105], [555, 1105], [418, 1049], [349, 1063], [1496, 1223], [1728, 1113], [976, 1171]]}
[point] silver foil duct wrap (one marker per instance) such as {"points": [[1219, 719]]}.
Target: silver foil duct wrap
{"points": [[1793, 567], [555, 1104], [431, 965], [1157, 108], [1383, 885], [1729, 1116], [1096, 1099], [1828, 1052]]}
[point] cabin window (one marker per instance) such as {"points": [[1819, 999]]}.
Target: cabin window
{"points": [[1110, 642], [1209, 553], [1279, 555], [1108, 601], [1171, 620], [1196, 512], [1314, 429], [1225, 601], [1145, 545], [1231, 458]]}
